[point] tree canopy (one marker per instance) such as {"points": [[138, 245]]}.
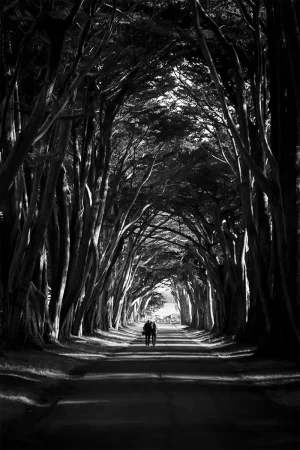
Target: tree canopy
{"points": [[150, 143]]}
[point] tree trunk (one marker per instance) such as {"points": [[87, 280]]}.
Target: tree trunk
{"points": [[64, 252], [36, 241]]}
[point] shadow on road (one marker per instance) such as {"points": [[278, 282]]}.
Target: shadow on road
{"points": [[181, 394]]}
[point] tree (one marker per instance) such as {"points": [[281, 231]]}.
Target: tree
{"points": [[150, 152]]}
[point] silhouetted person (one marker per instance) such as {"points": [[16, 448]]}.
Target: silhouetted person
{"points": [[147, 330], [153, 333]]}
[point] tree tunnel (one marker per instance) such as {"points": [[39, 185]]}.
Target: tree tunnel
{"points": [[145, 144]]}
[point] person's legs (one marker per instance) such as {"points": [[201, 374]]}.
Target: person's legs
{"points": [[153, 339], [147, 340]]}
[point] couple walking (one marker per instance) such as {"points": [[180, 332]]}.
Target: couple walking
{"points": [[150, 330]]}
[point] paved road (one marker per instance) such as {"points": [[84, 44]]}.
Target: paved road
{"points": [[176, 395]]}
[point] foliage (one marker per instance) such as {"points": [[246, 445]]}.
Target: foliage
{"points": [[155, 303], [140, 145]]}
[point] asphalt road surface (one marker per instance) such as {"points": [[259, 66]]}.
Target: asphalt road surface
{"points": [[176, 395]]}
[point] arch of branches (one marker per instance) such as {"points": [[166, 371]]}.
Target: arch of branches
{"points": [[146, 143]]}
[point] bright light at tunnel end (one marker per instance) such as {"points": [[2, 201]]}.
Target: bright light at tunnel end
{"points": [[170, 306]]}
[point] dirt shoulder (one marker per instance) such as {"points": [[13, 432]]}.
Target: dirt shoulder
{"points": [[32, 381]]}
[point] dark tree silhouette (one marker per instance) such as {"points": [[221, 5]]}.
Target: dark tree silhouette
{"points": [[145, 144]]}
